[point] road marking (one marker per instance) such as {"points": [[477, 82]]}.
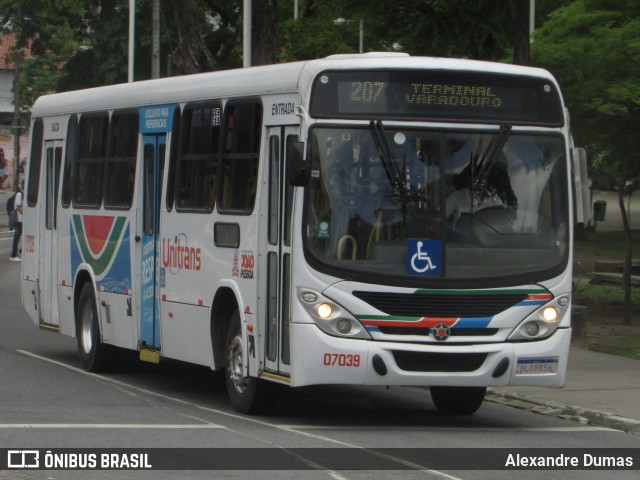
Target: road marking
{"points": [[451, 429], [287, 428], [109, 425]]}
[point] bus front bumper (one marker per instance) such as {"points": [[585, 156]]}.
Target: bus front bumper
{"points": [[323, 359]]}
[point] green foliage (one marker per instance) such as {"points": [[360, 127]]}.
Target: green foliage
{"points": [[593, 48], [49, 34], [309, 38], [601, 295], [419, 27]]}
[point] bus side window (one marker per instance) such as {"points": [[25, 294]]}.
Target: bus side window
{"points": [[71, 154], [120, 167], [34, 163], [92, 149], [197, 161], [173, 160], [240, 156]]}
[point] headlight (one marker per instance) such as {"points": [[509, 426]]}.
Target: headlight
{"points": [[324, 310], [544, 321], [330, 317], [550, 314]]}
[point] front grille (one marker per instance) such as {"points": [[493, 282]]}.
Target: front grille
{"points": [[438, 362], [452, 305], [461, 332]]}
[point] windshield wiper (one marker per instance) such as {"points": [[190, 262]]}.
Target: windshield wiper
{"points": [[481, 179], [390, 167]]}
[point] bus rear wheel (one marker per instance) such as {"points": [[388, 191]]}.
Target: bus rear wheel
{"points": [[458, 400], [93, 354], [246, 394]]}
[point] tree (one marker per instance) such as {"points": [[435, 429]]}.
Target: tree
{"points": [[264, 28], [191, 54], [593, 48], [51, 37], [520, 22], [444, 28]]}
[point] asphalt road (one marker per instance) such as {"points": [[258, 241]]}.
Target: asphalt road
{"points": [[46, 403]]}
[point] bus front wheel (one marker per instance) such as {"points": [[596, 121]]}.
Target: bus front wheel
{"points": [[246, 394], [93, 354], [458, 400]]}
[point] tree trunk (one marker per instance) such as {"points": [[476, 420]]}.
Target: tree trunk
{"points": [[626, 272], [191, 54], [520, 22], [263, 38]]}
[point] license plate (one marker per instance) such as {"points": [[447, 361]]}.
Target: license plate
{"points": [[536, 366]]}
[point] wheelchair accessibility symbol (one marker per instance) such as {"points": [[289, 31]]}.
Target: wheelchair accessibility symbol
{"points": [[423, 257]]}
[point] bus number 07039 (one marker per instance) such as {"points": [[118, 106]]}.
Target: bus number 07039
{"points": [[341, 360]]}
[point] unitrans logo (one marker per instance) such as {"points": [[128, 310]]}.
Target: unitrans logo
{"points": [[177, 255]]}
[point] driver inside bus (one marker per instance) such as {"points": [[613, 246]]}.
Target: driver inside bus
{"points": [[472, 193]]}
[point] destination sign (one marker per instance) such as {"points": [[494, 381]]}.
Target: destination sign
{"points": [[429, 95]]}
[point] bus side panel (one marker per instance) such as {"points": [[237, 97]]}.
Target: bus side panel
{"points": [[65, 274], [102, 244], [30, 299], [66, 308], [118, 326], [186, 333], [187, 272], [30, 253]]}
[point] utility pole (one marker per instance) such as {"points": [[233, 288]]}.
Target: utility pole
{"points": [[246, 33], [155, 43], [132, 30], [16, 115]]}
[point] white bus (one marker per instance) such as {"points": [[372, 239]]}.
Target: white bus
{"points": [[373, 219]]}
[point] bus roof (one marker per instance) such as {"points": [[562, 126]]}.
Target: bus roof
{"points": [[253, 81]]}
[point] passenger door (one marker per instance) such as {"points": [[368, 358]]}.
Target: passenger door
{"points": [[153, 155], [277, 237], [49, 317]]}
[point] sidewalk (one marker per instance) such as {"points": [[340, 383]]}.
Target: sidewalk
{"points": [[600, 389]]}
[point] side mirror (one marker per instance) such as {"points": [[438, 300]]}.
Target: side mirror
{"points": [[581, 186], [298, 170]]}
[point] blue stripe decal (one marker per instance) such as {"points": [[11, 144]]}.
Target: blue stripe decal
{"points": [[529, 303], [479, 322]]}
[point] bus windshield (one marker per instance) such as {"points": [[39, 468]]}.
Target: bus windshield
{"points": [[462, 205]]}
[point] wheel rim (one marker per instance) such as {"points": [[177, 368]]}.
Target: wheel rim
{"points": [[86, 328], [236, 365]]}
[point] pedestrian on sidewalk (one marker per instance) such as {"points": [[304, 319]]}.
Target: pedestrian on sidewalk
{"points": [[3, 168], [17, 233]]}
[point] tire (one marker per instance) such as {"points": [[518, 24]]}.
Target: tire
{"points": [[93, 354], [246, 394], [458, 400]]}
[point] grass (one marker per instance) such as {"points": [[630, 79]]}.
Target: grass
{"points": [[599, 295], [606, 244], [629, 348], [604, 301], [596, 246]]}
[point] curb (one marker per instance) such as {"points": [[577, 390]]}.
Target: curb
{"points": [[578, 414]]}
